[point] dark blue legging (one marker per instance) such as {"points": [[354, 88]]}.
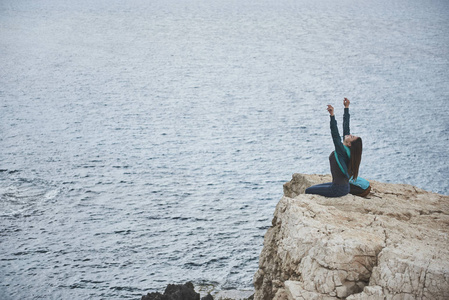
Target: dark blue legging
{"points": [[329, 189]]}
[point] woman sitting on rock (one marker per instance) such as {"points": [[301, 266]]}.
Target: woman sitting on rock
{"points": [[344, 160]]}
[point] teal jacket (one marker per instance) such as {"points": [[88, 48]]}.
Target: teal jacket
{"points": [[342, 153]]}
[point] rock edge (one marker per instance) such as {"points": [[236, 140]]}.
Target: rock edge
{"points": [[391, 245]]}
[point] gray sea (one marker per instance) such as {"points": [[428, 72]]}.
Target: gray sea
{"points": [[146, 142]]}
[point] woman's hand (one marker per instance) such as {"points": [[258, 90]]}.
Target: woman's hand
{"points": [[330, 109], [346, 102]]}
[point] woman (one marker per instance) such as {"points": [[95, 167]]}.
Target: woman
{"points": [[344, 160]]}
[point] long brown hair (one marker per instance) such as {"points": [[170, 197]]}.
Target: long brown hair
{"points": [[356, 157]]}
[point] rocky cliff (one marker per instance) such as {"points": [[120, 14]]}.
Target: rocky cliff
{"points": [[394, 244]]}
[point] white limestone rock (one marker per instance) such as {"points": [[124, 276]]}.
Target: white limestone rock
{"points": [[392, 245]]}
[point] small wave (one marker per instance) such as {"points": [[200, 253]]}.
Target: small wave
{"points": [[26, 197], [51, 194], [8, 171], [126, 288]]}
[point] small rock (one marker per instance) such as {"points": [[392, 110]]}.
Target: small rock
{"points": [[208, 297], [175, 292], [154, 296]]}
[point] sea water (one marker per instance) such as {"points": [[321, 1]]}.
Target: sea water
{"points": [[146, 142]]}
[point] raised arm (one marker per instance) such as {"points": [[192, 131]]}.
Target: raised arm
{"points": [[336, 138], [346, 116]]}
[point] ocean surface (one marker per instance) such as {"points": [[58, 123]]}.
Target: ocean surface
{"points": [[146, 142]]}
